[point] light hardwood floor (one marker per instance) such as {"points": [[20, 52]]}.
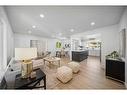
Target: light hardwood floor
{"points": [[91, 76]]}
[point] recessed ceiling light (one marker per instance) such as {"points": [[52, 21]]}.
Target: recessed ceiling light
{"points": [[42, 16], [60, 34], [34, 26], [29, 32], [72, 30], [92, 23]]}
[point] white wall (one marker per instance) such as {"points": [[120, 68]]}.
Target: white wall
{"points": [[23, 40], [52, 45], [8, 34], [7, 39], [122, 25], [109, 38]]}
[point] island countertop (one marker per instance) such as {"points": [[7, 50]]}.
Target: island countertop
{"points": [[79, 55]]}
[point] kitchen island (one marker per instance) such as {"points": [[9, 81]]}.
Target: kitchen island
{"points": [[79, 55]]}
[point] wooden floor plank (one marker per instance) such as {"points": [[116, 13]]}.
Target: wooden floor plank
{"points": [[91, 76]]}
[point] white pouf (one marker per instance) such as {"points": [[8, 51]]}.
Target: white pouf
{"points": [[64, 74], [75, 66]]}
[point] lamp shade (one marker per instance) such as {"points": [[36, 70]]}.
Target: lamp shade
{"points": [[25, 53]]}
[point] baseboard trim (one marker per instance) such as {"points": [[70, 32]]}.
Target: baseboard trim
{"points": [[102, 66], [125, 84]]}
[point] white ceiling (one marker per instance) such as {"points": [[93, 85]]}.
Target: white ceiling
{"points": [[60, 19]]}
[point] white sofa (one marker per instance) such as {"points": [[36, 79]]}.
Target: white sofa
{"points": [[16, 65]]}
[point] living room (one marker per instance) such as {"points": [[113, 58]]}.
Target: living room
{"points": [[63, 39]]}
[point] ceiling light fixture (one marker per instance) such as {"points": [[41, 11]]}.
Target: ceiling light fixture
{"points": [[92, 23], [72, 30], [29, 32], [42, 16], [34, 26]]}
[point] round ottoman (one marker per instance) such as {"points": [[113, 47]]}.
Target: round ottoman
{"points": [[75, 66], [64, 74]]}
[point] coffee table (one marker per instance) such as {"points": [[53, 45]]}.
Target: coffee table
{"points": [[52, 60], [29, 83]]}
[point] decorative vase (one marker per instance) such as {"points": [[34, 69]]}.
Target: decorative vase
{"points": [[27, 68]]}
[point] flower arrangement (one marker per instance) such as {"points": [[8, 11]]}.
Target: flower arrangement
{"points": [[114, 55]]}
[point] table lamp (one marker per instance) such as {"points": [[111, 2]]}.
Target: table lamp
{"points": [[25, 55]]}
